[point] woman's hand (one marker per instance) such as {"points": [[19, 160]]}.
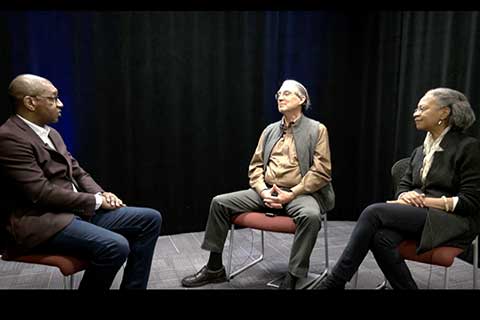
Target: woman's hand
{"points": [[413, 198]]}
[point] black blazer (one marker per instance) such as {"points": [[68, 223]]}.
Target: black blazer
{"points": [[455, 171]]}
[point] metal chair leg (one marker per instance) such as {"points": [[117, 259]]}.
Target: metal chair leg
{"points": [[271, 283], [251, 264], [475, 262], [68, 282], [325, 233], [382, 285], [355, 280], [445, 279], [311, 278], [230, 252]]}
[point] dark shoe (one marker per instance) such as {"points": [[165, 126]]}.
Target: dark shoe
{"points": [[204, 276], [288, 282], [330, 282]]}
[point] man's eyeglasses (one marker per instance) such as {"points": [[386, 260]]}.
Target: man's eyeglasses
{"points": [[55, 99], [285, 94]]}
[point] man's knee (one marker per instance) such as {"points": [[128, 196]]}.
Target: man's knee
{"points": [[116, 249], [219, 199], [311, 217], [216, 199], [218, 203], [154, 218]]}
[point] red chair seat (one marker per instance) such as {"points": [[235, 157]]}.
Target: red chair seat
{"points": [[278, 223], [441, 256], [68, 265], [259, 220]]}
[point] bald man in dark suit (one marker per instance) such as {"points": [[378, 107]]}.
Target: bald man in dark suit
{"points": [[49, 204]]}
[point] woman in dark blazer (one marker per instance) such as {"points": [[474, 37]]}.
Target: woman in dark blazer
{"points": [[438, 198]]}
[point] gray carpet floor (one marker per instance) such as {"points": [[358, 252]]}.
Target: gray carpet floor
{"points": [[179, 255]]}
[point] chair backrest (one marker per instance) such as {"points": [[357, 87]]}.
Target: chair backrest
{"points": [[398, 170]]}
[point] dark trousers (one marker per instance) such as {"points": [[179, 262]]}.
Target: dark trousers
{"points": [[107, 240], [304, 210], [381, 228]]}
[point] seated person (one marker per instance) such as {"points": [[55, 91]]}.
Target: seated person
{"points": [[438, 197], [50, 205], [290, 173]]}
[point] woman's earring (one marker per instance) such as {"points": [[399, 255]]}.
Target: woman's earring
{"points": [[439, 122]]}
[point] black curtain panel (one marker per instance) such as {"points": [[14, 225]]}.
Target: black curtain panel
{"points": [[402, 55], [165, 108]]}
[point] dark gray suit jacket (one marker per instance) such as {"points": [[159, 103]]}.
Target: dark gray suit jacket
{"points": [[36, 194], [455, 171]]}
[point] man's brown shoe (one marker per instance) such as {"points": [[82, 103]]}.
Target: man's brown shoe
{"points": [[204, 276]]}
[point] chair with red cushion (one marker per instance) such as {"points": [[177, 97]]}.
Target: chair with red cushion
{"points": [[67, 265], [441, 256], [265, 222]]}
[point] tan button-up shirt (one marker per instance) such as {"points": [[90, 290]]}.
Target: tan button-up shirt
{"points": [[283, 168]]}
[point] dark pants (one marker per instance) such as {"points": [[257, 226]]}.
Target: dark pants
{"points": [[304, 210], [110, 238], [381, 228]]}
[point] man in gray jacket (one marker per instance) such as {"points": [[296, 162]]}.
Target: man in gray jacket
{"points": [[290, 173]]}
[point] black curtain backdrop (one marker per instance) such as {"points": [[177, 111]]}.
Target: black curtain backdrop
{"points": [[165, 108]]}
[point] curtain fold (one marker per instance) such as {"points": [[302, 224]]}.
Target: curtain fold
{"points": [[165, 108]]}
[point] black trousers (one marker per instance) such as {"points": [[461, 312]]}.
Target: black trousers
{"points": [[381, 228]]}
